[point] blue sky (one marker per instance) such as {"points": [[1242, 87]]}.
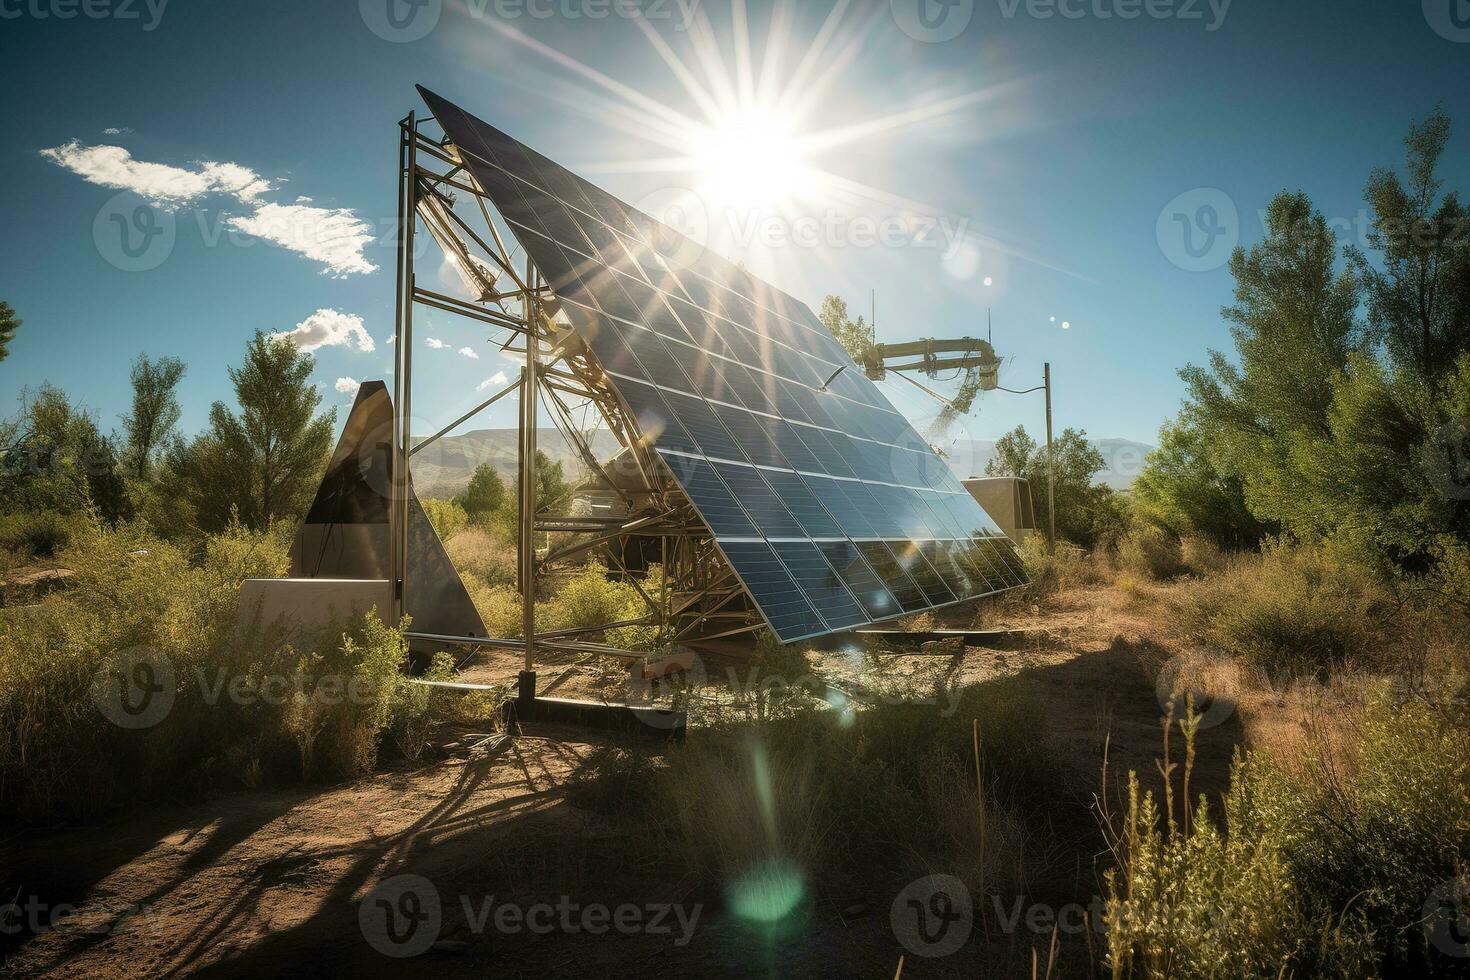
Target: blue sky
{"points": [[1067, 149]]}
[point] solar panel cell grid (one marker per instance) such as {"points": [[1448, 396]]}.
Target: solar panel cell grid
{"points": [[653, 306]]}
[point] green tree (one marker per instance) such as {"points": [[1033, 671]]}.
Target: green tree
{"points": [[1419, 289], [855, 336], [9, 324], [485, 494], [263, 464], [1332, 427], [1085, 511], [56, 459], [553, 496], [1294, 327], [150, 425], [1182, 489]]}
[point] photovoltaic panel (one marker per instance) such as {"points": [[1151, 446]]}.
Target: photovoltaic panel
{"points": [[800, 485], [784, 604], [849, 564], [821, 583]]}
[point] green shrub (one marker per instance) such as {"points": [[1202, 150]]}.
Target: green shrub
{"points": [[419, 710], [589, 598], [499, 606], [447, 517], [36, 533], [245, 705], [1327, 875], [1293, 608], [1151, 552], [342, 697]]}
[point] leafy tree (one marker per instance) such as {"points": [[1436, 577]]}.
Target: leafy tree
{"points": [[855, 336], [1085, 512], [553, 496], [485, 494], [55, 459], [1332, 427], [155, 413], [1294, 330], [262, 465], [1182, 489], [9, 323], [1419, 291]]}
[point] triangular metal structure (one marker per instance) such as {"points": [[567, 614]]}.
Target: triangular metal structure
{"points": [[346, 533]]}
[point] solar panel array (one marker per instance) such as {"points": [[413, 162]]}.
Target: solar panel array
{"points": [[827, 504]]}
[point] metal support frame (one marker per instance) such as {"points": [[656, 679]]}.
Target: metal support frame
{"points": [[698, 597]]}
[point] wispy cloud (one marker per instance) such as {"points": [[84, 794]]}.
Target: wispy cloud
{"points": [[333, 237], [435, 343], [116, 131], [163, 185], [348, 386], [470, 352], [498, 378], [330, 328]]}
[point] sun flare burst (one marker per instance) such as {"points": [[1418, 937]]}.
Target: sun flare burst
{"points": [[752, 159], [771, 130]]}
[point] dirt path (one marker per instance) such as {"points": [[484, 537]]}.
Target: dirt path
{"points": [[275, 882]]}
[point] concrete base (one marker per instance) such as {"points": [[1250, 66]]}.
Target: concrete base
{"points": [[307, 605]]}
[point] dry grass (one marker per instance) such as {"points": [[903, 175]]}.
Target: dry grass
{"points": [[1151, 552], [484, 555]]}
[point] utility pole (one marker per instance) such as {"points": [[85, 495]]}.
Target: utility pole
{"points": [[1051, 470]]}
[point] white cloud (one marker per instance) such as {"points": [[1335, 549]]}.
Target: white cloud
{"points": [[391, 339], [498, 378], [161, 183], [470, 353], [330, 328], [116, 131], [334, 237], [435, 343], [348, 386]]}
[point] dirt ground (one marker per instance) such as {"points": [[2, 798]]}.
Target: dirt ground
{"points": [[288, 882]]}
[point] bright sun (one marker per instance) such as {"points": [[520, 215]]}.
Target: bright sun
{"points": [[751, 160]]}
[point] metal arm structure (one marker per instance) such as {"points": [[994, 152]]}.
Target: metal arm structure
{"points": [[969, 352], [698, 597]]}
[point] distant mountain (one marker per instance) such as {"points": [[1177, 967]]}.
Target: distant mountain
{"points": [[444, 468], [967, 457]]}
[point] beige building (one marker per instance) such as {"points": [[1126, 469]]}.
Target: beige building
{"points": [[1007, 499]]}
